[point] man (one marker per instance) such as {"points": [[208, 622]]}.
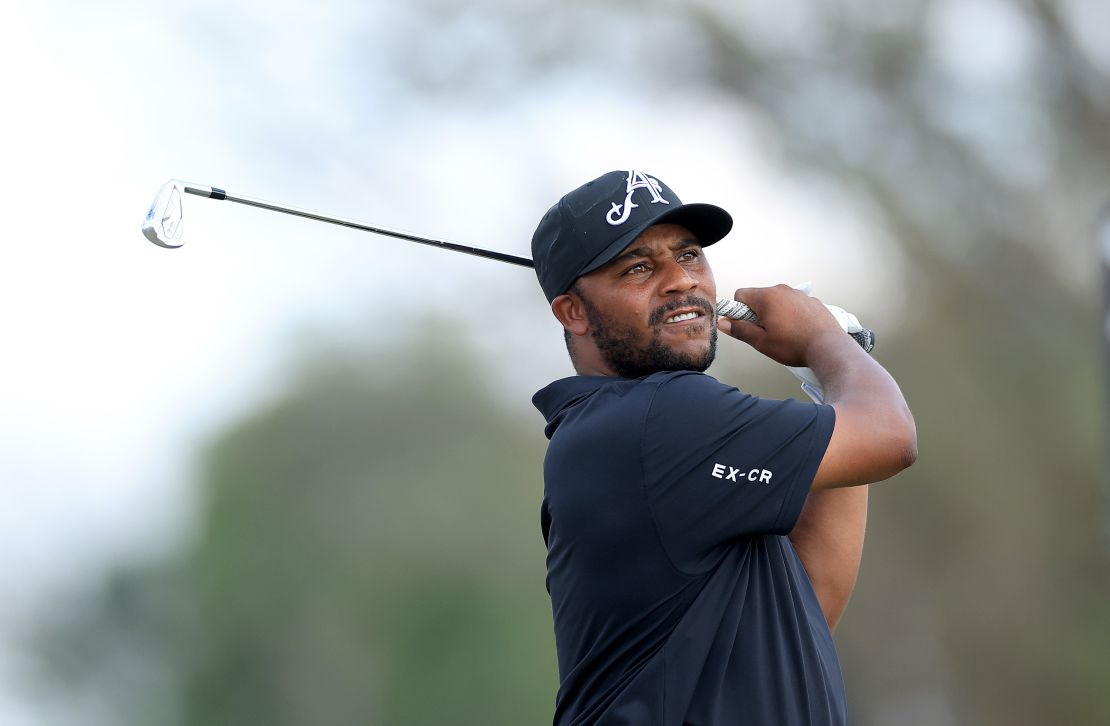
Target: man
{"points": [[702, 542]]}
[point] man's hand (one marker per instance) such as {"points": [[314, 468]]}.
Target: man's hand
{"points": [[790, 324], [874, 436]]}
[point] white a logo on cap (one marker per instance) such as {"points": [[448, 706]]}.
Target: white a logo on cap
{"points": [[636, 180]]}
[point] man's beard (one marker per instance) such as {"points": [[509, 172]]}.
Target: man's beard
{"points": [[629, 358]]}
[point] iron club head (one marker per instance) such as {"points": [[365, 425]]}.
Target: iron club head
{"points": [[163, 223]]}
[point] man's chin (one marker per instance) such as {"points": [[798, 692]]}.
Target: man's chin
{"points": [[667, 350], [696, 352], [697, 363], [658, 359], [687, 358]]}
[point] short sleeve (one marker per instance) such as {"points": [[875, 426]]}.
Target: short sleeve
{"points": [[720, 464]]}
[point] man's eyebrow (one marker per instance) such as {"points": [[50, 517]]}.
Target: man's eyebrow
{"points": [[638, 252], [647, 251]]}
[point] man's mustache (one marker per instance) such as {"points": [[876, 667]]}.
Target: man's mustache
{"points": [[662, 313]]}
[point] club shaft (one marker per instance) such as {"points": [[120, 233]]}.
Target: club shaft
{"points": [[728, 308], [216, 193]]}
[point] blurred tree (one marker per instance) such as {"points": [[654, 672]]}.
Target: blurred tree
{"points": [[368, 552]]}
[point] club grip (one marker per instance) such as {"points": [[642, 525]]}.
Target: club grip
{"points": [[739, 311]]}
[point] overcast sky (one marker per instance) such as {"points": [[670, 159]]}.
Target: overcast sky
{"points": [[121, 358]]}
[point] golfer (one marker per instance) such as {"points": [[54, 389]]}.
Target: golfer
{"points": [[702, 541]]}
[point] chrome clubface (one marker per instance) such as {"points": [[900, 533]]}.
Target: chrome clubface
{"points": [[163, 223]]}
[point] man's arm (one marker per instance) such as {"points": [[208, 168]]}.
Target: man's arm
{"points": [[828, 538], [874, 436]]}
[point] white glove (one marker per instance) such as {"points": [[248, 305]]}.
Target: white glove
{"points": [[850, 324]]}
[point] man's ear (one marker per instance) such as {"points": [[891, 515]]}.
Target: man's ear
{"points": [[571, 312]]}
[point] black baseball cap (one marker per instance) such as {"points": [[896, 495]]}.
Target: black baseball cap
{"points": [[594, 223]]}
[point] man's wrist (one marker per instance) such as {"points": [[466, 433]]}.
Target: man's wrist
{"points": [[828, 354]]}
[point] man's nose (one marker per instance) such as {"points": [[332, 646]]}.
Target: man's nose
{"points": [[677, 279]]}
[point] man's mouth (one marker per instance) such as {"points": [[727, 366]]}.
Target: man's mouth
{"points": [[690, 315], [681, 311]]}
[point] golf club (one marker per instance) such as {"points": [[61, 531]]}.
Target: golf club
{"points": [[163, 226]]}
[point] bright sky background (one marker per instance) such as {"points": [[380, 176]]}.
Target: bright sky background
{"points": [[122, 358]]}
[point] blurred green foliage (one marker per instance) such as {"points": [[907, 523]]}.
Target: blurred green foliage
{"points": [[368, 552], [370, 549]]}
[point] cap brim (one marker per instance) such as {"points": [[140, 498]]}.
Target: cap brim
{"points": [[709, 223]]}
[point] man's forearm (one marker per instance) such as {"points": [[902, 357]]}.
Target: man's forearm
{"points": [[874, 436]]}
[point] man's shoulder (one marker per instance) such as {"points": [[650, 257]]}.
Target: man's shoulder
{"points": [[663, 387], [681, 388], [683, 379], [564, 392], [559, 393]]}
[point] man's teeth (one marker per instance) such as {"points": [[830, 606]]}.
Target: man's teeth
{"points": [[683, 316]]}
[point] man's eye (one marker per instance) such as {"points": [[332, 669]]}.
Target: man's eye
{"points": [[636, 269], [689, 255]]}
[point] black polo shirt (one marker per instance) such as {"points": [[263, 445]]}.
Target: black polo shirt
{"points": [[677, 598]]}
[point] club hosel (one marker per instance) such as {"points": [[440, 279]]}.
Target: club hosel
{"points": [[204, 191]]}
